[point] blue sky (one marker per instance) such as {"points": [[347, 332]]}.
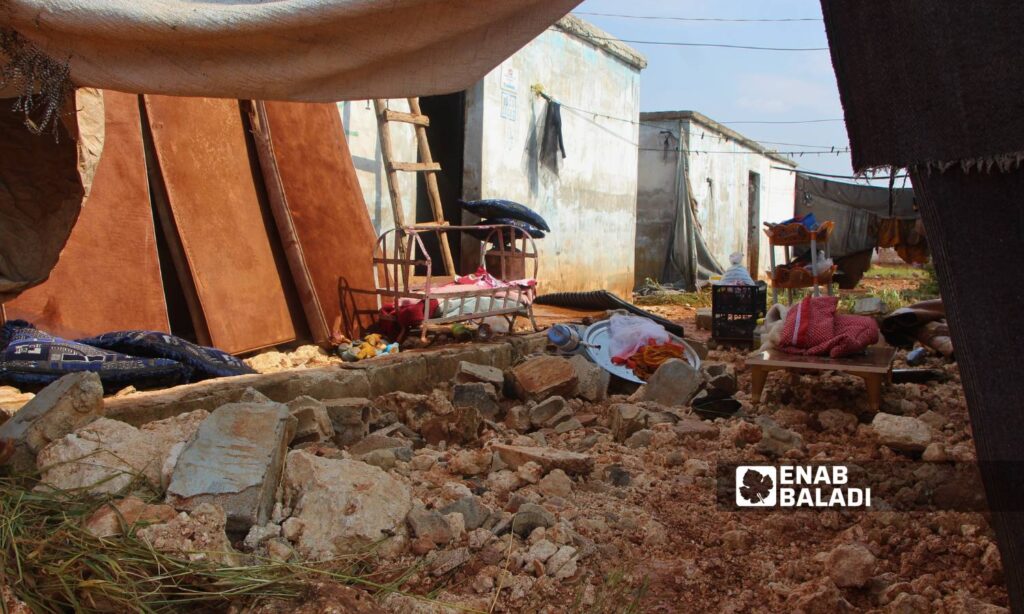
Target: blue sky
{"points": [[738, 85]]}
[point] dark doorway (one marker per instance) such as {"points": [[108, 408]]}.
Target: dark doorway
{"points": [[753, 223], [446, 134]]}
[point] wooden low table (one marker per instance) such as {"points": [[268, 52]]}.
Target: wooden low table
{"points": [[874, 367]]}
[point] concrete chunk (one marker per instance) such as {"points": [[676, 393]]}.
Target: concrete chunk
{"points": [[235, 462], [593, 380], [543, 377], [312, 422], [468, 373], [477, 395], [350, 419], [65, 405], [674, 383], [548, 458]]}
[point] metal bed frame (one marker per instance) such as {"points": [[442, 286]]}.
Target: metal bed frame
{"points": [[400, 251]]}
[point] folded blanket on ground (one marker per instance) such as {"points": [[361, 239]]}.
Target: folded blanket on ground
{"points": [[31, 359], [205, 362], [814, 328]]}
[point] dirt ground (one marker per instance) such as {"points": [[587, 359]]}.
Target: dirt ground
{"points": [[662, 544]]}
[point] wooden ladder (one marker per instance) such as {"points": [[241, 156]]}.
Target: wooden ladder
{"points": [[426, 165]]}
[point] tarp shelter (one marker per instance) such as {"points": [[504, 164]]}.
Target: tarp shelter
{"points": [[935, 87], [243, 287]]}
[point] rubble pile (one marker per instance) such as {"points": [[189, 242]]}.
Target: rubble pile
{"points": [[535, 486]]}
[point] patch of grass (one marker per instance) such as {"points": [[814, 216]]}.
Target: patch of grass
{"points": [[895, 272], [927, 288], [52, 563], [654, 293]]}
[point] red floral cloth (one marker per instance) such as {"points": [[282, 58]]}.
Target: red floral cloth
{"points": [[814, 328]]}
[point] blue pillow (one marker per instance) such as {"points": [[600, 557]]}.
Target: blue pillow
{"points": [[205, 362], [31, 358]]}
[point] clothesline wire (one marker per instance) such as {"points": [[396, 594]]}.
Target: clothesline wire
{"points": [[854, 177], [718, 19], [688, 44], [653, 125], [757, 153]]}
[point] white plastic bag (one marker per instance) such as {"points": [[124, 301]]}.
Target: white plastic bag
{"points": [[627, 334], [737, 275]]}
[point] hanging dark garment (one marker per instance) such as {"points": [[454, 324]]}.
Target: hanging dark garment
{"points": [[551, 143]]}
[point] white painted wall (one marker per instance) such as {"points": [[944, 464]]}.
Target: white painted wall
{"points": [[591, 203], [361, 131], [720, 186]]}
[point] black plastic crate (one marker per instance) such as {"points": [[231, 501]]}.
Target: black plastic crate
{"points": [[735, 311]]}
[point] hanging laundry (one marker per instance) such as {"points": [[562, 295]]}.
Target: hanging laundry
{"points": [[551, 141]]}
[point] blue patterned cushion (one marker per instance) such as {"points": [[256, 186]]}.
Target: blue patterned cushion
{"points": [[31, 358], [206, 362]]}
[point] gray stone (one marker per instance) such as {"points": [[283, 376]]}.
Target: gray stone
{"points": [[65, 405], [837, 421], [474, 513], [704, 318], [447, 561], [692, 427], [529, 517], [721, 378], [376, 442], [313, 424], [544, 412], [869, 306], [469, 372], [593, 380], [640, 439], [571, 424], [901, 433], [851, 565], [383, 458], [556, 484], [548, 458], [345, 506], [518, 418], [618, 476], [477, 395], [350, 419], [234, 461], [775, 440], [430, 524], [674, 383], [626, 419]]}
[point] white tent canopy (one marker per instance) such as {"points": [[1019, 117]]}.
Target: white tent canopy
{"points": [[307, 50]]}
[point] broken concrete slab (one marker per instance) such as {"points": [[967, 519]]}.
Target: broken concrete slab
{"points": [[235, 461], [312, 423], [477, 395], [674, 383], [344, 506], [548, 458], [65, 405], [469, 372], [105, 456], [626, 419], [592, 380], [474, 512], [543, 377], [198, 536], [902, 433], [542, 414], [350, 418], [433, 416], [430, 524]]}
